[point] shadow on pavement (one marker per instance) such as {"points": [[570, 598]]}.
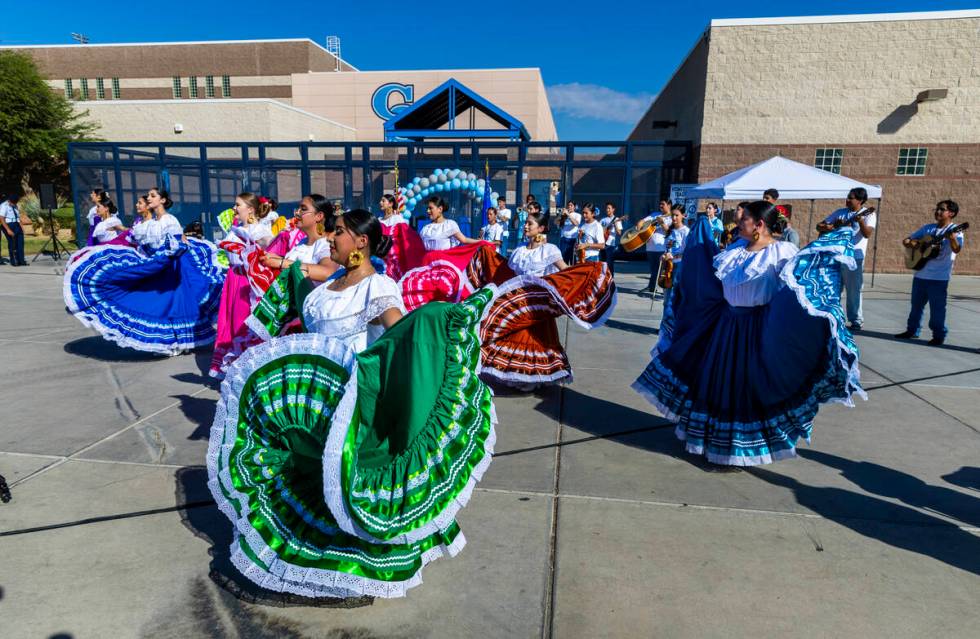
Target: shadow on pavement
{"points": [[890, 523], [213, 527], [965, 477], [96, 347], [200, 412], [629, 327], [202, 359], [910, 490], [924, 342]]}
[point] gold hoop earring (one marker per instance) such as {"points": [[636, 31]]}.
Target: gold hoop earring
{"points": [[321, 228], [355, 259], [755, 236]]}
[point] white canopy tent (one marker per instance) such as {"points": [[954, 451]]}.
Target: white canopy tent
{"points": [[793, 180]]}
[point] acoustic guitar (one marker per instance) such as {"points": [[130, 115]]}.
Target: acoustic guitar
{"points": [[921, 251], [637, 236]]}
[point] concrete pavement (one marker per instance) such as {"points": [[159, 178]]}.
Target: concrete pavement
{"points": [[591, 522]]}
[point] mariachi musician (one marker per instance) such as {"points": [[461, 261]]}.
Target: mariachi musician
{"points": [[657, 244], [931, 280], [862, 221]]}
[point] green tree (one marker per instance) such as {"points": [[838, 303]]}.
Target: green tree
{"points": [[36, 125]]}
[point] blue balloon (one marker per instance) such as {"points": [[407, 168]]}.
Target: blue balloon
{"points": [[407, 215], [416, 180], [437, 172], [456, 183], [411, 203], [480, 190], [439, 187]]}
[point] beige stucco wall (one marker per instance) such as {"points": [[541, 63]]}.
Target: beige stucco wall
{"points": [[222, 120], [346, 97], [836, 83]]}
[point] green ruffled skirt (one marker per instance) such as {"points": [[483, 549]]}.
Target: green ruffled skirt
{"points": [[342, 472]]}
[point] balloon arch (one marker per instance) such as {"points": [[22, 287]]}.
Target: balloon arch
{"points": [[440, 181]]}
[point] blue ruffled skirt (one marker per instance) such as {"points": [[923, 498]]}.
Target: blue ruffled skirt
{"points": [[743, 384], [165, 302]]}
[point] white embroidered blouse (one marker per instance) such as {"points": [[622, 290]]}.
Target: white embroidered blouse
{"points": [[439, 237], [105, 230], [309, 253], [347, 314], [538, 261], [751, 278]]}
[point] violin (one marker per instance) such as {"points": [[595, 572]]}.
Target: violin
{"points": [[580, 253], [666, 279]]}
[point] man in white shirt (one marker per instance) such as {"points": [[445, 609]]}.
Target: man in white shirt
{"points": [[503, 217], [656, 245], [931, 282], [570, 221], [493, 231], [10, 225], [612, 227], [591, 236], [862, 225]]}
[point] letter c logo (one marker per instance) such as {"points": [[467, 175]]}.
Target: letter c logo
{"points": [[381, 100]]}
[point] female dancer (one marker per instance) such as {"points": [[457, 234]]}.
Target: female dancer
{"points": [[342, 456], [244, 285], [407, 250], [759, 342], [520, 339], [93, 215], [441, 234], [161, 297], [111, 226], [389, 215]]}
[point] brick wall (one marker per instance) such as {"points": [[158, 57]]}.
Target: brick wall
{"points": [[843, 82], [952, 171]]}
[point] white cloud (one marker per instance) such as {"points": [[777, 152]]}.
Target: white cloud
{"points": [[597, 102]]}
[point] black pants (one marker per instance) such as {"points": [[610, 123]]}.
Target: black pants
{"points": [[609, 257], [15, 243], [653, 258]]}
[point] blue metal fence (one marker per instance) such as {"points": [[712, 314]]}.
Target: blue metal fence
{"points": [[204, 178]]}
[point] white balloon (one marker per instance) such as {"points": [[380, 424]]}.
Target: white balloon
{"points": [[481, 182], [442, 177], [424, 182], [470, 177]]}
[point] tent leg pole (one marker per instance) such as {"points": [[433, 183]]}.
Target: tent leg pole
{"points": [[809, 224], [874, 248]]}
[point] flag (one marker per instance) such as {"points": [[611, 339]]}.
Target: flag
{"points": [[487, 203]]}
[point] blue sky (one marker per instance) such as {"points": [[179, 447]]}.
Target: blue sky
{"points": [[602, 62]]}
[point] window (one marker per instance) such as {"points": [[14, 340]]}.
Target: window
{"points": [[192, 85], [100, 88], [69, 90], [115, 89], [829, 160], [176, 87], [209, 86], [912, 161], [84, 82], [226, 86]]}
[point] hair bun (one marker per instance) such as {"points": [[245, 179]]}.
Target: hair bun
{"points": [[384, 245]]}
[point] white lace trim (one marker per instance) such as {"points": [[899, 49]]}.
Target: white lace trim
{"points": [[282, 576]]}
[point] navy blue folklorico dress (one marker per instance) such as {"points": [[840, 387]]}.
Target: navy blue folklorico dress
{"points": [[757, 341], [160, 297]]}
